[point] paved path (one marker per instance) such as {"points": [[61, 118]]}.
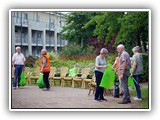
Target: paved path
{"points": [[62, 97]]}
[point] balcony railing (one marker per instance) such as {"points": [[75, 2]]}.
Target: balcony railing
{"points": [[62, 42], [18, 40], [35, 41], [17, 20]]}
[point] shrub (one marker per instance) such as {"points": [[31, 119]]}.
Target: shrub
{"points": [[30, 61], [145, 75], [71, 50]]}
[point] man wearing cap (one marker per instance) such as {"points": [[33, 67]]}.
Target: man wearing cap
{"points": [[18, 61]]}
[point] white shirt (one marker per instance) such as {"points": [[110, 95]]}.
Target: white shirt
{"points": [[18, 59]]}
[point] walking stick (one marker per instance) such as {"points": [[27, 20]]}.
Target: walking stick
{"points": [[136, 82]]}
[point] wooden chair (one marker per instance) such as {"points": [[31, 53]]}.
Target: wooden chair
{"points": [[63, 72], [92, 86], [52, 73], [85, 72], [27, 74], [87, 81], [34, 76], [12, 73], [69, 79]]}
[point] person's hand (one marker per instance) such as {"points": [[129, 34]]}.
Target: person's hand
{"points": [[41, 70], [131, 74], [23, 68], [105, 66]]}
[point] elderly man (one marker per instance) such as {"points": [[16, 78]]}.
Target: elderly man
{"points": [[18, 60], [45, 68], [124, 73]]}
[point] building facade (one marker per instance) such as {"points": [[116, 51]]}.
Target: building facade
{"points": [[33, 31]]}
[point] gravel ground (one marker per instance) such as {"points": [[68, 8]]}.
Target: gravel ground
{"points": [[63, 97]]}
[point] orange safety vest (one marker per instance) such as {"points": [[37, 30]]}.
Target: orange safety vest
{"points": [[117, 66], [47, 67]]}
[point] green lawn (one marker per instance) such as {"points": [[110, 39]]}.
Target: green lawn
{"points": [[145, 97]]}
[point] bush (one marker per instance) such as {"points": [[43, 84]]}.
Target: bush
{"points": [[71, 50], [145, 75], [30, 61]]}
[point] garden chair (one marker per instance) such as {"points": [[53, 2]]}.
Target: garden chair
{"points": [[69, 79], [87, 81], [63, 72], [52, 73], [34, 76], [85, 72], [12, 73], [92, 86], [27, 74]]}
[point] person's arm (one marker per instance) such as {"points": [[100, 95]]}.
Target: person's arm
{"points": [[124, 66], [133, 67], [99, 66], [44, 63], [24, 60], [13, 60], [115, 63]]}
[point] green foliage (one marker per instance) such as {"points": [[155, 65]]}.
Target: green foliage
{"points": [[74, 31], [53, 56], [30, 61], [133, 30], [145, 75], [73, 49]]}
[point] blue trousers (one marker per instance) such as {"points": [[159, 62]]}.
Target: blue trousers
{"points": [[17, 73], [99, 90], [138, 89]]}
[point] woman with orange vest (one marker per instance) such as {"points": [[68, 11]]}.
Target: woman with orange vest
{"points": [[116, 66], [45, 68]]}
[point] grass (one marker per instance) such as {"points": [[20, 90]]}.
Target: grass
{"points": [[145, 97]]}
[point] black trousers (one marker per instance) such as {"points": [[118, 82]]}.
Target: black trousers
{"points": [[46, 80], [99, 90]]}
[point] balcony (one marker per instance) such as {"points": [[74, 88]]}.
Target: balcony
{"points": [[17, 20], [35, 41], [18, 40]]}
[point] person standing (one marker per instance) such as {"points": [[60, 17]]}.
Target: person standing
{"points": [[45, 68], [124, 73], [99, 70], [116, 66], [137, 69], [18, 61]]}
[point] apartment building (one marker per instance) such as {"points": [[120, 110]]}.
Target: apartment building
{"points": [[36, 30]]}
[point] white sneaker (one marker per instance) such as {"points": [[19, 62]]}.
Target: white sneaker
{"points": [[136, 98]]}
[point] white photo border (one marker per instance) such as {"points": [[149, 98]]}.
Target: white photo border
{"points": [[79, 109]]}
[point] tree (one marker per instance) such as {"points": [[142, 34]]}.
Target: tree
{"points": [[131, 29], [74, 31]]}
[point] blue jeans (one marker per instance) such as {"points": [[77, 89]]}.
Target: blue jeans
{"points": [[17, 73], [138, 89]]}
